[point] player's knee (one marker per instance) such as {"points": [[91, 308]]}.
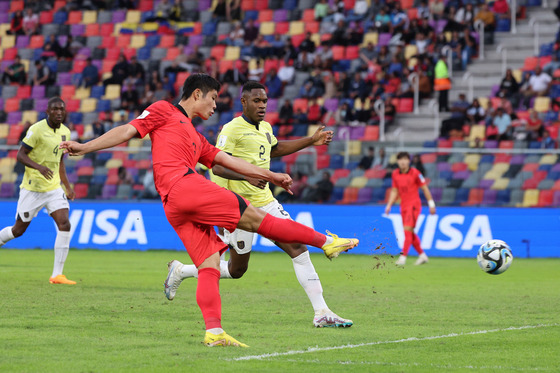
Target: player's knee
{"points": [[238, 271], [18, 231], [295, 250], [64, 226]]}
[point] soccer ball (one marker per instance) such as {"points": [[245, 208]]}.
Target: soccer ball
{"points": [[494, 257]]}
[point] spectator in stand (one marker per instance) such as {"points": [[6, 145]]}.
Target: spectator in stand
{"points": [[548, 142], [383, 21], [237, 35], [424, 84], [321, 192], [119, 72], [501, 8], [553, 65], [502, 121], [290, 52], [224, 102], [509, 88], [442, 83], [399, 19], [535, 127], [69, 49], [16, 24], [274, 84], [368, 56], [43, 74], [211, 136], [314, 112], [452, 25], [367, 159], [136, 69], [321, 10], [298, 189], [261, 47], [356, 87], [251, 31], [307, 90], [360, 10], [417, 163], [98, 129], [390, 112], [453, 126], [384, 57], [395, 67], [163, 10], [15, 73], [129, 98], [53, 47], [286, 73], [74, 136], [174, 68], [257, 72], [195, 60], [539, 85], [423, 10], [489, 20], [286, 113], [30, 22], [343, 115], [437, 9], [507, 106], [475, 112], [239, 74], [150, 191], [90, 74], [382, 159], [124, 177], [277, 46], [160, 92], [307, 45], [211, 67], [300, 117]]}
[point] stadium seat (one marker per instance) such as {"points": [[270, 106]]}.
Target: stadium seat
{"points": [[542, 104], [530, 198], [546, 198]]}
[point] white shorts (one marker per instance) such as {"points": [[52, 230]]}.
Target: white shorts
{"points": [[242, 241], [30, 203]]}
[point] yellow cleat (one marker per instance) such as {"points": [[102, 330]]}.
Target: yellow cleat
{"points": [[339, 245], [61, 279], [223, 339]]}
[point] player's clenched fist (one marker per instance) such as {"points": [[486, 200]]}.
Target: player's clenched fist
{"points": [[72, 147], [283, 180]]}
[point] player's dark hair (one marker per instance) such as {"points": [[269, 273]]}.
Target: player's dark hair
{"points": [[201, 81], [250, 85], [54, 100], [403, 155]]}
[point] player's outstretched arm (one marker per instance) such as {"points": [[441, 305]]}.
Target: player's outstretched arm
{"points": [[392, 198], [247, 169], [286, 147], [114, 137], [226, 173], [429, 198]]}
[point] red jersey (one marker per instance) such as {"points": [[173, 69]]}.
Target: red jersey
{"points": [[408, 184], [176, 145]]}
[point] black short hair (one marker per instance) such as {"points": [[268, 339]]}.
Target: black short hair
{"points": [[54, 100], [201, 81], [250, 85], [403, 155]]}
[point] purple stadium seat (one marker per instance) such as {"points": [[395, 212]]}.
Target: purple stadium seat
{"points": [[187, 50], [364, 195], [4, 65], [384, 39], [22, 41], [436, 193], [331, 104], [14, 117], [342, 133], [440, 25], [4, 7], [495, 89], [7, 190], [280, 15], [462, 175], [73, 178], [83, 54], [86, 162], [38, 91], [109, 191], [119, 16], [485, 184], [77, 30], [4, 17], [517, 159], [1, 102], [98, 64], [64, 79], [204, 4], [196, 40], [489, 197], [555, 200], [443, 166], [490, 144], [272, 105], [357, 133], [62, 39]]}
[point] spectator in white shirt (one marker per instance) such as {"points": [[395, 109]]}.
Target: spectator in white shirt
{"points": [[539, 85]]}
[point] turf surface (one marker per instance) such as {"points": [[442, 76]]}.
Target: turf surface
{"points": [[117, 318]]}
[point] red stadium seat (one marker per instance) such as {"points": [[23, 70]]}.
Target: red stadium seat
{"points": [[412, 13], [16, 5], [407, 4], [502, 158], [112, 54], [225, 65], [10, 54], [352, 53], [371, 133], [74, 17], [312, 27], [428, 158], [350, 195], [459, 166], [218, 51], [270, 64], [265, 15], [506, 144], [530, 184], [248, 4], [530, 167], [59, 4], [81, 190], [107, 66], [67, 92], [349, 4], [46, 17], [530, 63], [23, 92], [107, 30], [308, 15], [167, 41], [123, 41], [338, 52], [92, 29], [261, 5], [339, 173], [85, 171], [11, 105], [297, 39], [545, 198], [72, 105], [475, 197], [406, 105], [323, 160], [129, 53], [172, 53], [272, 117], [282, 28], [36, 42], [107, 41], [78, 66], [301, 103], [146, 5]]}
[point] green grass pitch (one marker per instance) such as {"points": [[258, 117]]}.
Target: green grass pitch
{"points": [[444, 316]]}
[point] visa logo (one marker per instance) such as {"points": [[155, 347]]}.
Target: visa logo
{"points": [[108, 227]]}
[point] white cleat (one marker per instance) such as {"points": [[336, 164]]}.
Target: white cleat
{"points": [[423, 258], [401, 261], [173, 280], [328, 319]]}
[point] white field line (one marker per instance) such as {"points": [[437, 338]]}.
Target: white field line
{"points": [[411, 339]]}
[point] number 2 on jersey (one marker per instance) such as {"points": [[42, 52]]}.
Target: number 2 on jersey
{"points": [[262, 150]]}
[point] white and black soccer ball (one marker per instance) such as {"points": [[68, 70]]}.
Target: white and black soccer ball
{"points": [[494, 257]]}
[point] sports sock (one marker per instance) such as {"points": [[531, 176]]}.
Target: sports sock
{"points": [[407, 242], [61, 247], [6, 235], [416, 244], [309, 280], [208, 297], [288, 231], [189, 270]]}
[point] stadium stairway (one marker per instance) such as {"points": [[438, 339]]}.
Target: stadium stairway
{"points": [[487, 73]]}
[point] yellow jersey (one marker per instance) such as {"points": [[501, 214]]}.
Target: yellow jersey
{"points": [[253, 143], [44, 142]]}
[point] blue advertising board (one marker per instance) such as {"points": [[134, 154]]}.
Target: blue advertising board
{"points": [[452, 232]]}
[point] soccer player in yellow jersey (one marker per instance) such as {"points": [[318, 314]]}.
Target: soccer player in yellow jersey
{"points": [[251, 138], [44, 170]]}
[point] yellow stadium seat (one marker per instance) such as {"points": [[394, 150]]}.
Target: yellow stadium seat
{"points": [[4, 130], [530, 198], [137, 41], [1, 53], [133, 16], [410, 50], [358, 104], [117, 116], [311, 129], [316, 39], [412, 62], [253, 64], [82, 93], [359, 182], [112, 92], [297, 28], [370, 37], [496, 171], [478, 131], [8, 162], [113, 163], [542, 104], [232, 53], [549, 159], [88, 105], [149, 27], [4, 27], [267, 28], [29, 116], [500, 184], [89, 17], [10, 177], [472, 161], [448, 35], [355, 147], [484, 101], [517, 74], [117, 29], [8, 41]]}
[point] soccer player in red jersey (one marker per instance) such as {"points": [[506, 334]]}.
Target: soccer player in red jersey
{"points": [[406, 182], [194, 205]]}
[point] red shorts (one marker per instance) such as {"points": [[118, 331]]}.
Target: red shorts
{"points": [[194, 206], [410, 214]]}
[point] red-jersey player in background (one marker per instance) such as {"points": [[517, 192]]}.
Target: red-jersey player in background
{"points": [[194, 205], [406, 182]]}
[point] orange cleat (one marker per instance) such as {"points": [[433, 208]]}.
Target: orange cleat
{"points": [[61, 279]]}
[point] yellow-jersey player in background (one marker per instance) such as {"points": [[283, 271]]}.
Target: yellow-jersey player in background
{"points": [[251, 138], [44, 170]]}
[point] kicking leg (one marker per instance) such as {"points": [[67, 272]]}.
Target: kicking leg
{"points": [[9, 233]]}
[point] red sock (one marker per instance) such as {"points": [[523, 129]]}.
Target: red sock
{"points": [[208, 297], [416, 244], [288, 231], [408, 238]]}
